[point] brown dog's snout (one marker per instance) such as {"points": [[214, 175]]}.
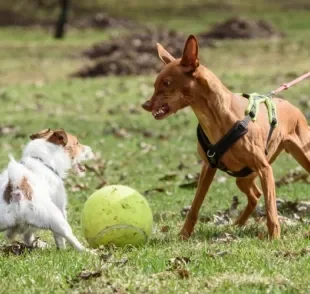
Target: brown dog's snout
{"points": [[147, 105]]}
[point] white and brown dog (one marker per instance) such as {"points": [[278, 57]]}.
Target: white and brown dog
{"points": [[32, 192]]}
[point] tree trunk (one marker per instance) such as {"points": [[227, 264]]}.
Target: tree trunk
{"points": [[62, 19]]}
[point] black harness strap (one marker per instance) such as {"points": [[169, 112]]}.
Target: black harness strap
{"points": [[216, 151], [42, 161]]}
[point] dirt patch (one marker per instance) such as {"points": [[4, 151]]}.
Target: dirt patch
{"points": [[242, 28], [132, 54], [102, 20]]}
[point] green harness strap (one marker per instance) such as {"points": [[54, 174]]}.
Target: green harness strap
{"points": [[253, 107], [252, 110]]}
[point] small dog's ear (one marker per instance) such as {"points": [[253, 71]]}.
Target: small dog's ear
{"points": [[39, 135], [164, 55], [59, 137], [190, 59]]}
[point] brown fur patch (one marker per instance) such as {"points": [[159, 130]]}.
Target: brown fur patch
{"points": [[26, 188], [73, 147], [58, 137], [42, 134], [62, 138], [7, 193]]}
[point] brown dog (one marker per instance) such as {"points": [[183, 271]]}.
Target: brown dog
{"points": [[183, 82]]}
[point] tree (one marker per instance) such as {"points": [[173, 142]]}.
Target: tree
{"points": [[62, 19]]}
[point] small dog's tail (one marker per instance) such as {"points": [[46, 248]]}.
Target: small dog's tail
{"points": [[18, 181], [16, 171]]}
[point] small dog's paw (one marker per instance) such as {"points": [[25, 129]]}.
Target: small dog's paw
{"points": [[184, 236]]}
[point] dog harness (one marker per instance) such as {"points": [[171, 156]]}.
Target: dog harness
{"points": [[214, 152], [42, 161]]}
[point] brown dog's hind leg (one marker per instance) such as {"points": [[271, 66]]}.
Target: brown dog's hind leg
{"points": [[299, 147], [205, 179], [250, 189]]}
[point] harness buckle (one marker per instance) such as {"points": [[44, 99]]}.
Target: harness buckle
{"points": [[274, 121], [252, 113], [208, 154]]}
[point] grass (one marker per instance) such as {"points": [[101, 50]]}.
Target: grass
{"points": [[35, 93]]}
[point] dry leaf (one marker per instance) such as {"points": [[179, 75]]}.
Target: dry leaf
{"points": [[133, 109], [101, 184], [147, 134], [96, 166], [189, 185], [121, 133], [293, 176], [181, 166], [178, 262], [217, 254], [225, 238], [183, 273], [86, 275], [8, 129], [185, 210], [168, 177], [193, 181], [146, 148], [79, 187], [160, 190], [19, 248], [165, 229], [222, 219]]}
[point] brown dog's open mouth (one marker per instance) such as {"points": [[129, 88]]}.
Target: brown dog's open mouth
{"points": [[161, 112]]}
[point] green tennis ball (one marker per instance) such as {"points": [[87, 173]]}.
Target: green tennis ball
{"points": [[116, 215]]}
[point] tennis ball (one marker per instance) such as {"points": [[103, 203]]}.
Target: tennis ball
{"points": [[116, 215]]}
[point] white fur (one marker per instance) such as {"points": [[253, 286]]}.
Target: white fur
{"points": [[47, 209]]}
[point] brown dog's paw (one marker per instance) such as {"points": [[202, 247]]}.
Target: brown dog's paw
{"points": [[184, 236]]}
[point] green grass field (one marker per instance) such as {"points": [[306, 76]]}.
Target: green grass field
{"points": [[36, 93]]}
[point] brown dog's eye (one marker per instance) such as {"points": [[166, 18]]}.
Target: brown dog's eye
{"points": [[166, 83]]}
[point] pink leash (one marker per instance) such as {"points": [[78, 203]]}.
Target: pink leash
{"points": [[286, 86]]}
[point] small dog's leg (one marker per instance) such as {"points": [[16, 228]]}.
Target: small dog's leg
{"points": [[61, 228], [29, 237], [205, 179], [11, 234], [268, 185], [55, 221], [250, 189], [59, 241]]}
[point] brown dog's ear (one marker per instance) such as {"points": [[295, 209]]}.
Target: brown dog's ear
{"points": [[164, 55], [190, 54], [39, 135], [59, 137]]}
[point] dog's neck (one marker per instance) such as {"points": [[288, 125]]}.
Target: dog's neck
{"points": [[49, 154], [213, 105]]}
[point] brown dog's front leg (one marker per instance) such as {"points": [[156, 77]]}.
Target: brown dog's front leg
{"points": [[205, 180], [250, 189], [268, 185]]}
